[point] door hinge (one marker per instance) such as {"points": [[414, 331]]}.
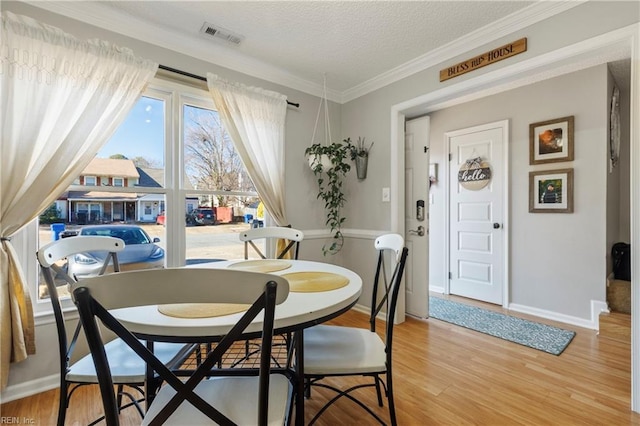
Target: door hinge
{"points": [[426, 148], [450, 157], [450, 276]]}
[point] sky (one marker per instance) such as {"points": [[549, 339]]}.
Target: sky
{"points": [[141, 134]]}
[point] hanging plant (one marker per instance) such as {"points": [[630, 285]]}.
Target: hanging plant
{"points": [[330, 180], [359, 153], [358, 149]]}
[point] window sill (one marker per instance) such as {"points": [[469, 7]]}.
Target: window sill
{"points": [[46, 317]]}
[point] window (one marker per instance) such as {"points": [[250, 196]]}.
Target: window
{"points": [[222, 190], [172, 172]]}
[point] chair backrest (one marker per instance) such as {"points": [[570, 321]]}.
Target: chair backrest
{"points": [[386, 284], [273, 232], [49, 257], [94, 297]]}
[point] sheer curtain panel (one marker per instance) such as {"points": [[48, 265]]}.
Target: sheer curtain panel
{"points": [[61, 99], [255, 121]]}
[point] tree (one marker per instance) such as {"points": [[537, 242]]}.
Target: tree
{"points": [[118, 157], [212, 162], [51, 215], [146, 163]]}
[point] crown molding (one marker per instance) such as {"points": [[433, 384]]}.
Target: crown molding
{"points": [[103, 17], [500, 28]]}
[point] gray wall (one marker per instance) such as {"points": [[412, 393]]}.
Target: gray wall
{"points": [[369, 115], [557, 260]]}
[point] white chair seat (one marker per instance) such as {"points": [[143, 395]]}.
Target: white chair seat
{"points": [[336, 350], [126, 365], [235, 397]]}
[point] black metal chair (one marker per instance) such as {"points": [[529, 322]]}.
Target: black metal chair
{"points": [[332, 351], [227, 397], [128, 370]]}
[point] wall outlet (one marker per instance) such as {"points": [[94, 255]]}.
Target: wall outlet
{"points": [[386, 195]]}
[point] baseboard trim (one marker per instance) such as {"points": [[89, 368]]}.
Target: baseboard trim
{"points": [[436, 289], [30, 388], [567, 319]]}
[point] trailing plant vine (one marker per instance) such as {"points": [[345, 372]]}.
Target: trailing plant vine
{"points": [[330, 180]]}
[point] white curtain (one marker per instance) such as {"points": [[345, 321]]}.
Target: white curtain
{"points": [[255, 121], [62, 98]]}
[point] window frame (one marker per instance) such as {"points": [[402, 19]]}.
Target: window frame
{"points": [[175, 92]]}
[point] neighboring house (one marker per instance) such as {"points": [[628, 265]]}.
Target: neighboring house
{"points": [[93, 206]]}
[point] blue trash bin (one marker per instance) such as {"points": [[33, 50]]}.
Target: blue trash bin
{"points": [[56, 229], [248, 218]]}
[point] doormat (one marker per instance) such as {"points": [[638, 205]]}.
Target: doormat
{"points": [[543, 337]]}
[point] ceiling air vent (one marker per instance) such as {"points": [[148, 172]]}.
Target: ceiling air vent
{"points": [[220, 33]]}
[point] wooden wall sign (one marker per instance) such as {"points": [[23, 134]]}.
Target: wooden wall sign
{"points": [[474, 174], [495, 55]]}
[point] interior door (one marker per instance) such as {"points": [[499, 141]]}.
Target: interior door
{"points": [[417, 216], [476, 212]]}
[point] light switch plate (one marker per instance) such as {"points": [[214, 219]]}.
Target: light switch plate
{"points": [[386, 195]]}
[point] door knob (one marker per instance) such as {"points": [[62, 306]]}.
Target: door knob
{"points": [[496, 225], [419, 232]]}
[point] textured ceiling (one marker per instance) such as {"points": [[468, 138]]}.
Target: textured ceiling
{"points": [[351, 42]]}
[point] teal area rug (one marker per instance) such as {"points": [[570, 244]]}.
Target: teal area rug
{"points": [[543, 337]]}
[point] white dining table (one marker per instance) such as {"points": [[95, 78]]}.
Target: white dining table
{"points": [[299, 311]]}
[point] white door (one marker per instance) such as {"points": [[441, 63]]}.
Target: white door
{"points": [[477, 212], [417, 216]]}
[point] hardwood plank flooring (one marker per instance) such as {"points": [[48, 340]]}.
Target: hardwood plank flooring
{"points": [[448, 375]]}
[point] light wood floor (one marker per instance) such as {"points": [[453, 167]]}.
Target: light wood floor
{"points": [[448, 375]]}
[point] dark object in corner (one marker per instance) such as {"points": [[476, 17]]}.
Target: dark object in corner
{"points": [[621, 258]]}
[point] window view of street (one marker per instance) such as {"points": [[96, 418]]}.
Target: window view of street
{"points": [[123, 192]]}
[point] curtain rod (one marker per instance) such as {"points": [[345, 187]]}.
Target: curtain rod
{"points": [[197, 77]]}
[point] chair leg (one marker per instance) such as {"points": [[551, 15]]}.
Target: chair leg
{"points": [[119, 398], [63, 402], [307, 388], [392, 405], [378, 391]]}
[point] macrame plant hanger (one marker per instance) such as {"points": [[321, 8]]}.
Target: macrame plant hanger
{"points": [[323, 159]]}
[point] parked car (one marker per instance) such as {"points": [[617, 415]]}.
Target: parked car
{"points": [[201, 216], [140, 251]]}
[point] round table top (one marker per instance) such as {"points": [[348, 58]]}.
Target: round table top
{"points": [[300, 310]]}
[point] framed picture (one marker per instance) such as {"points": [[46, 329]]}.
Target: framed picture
{"points": [[551, 191], [551, 141]]}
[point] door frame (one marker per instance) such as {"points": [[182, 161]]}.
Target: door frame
{"points": [[419, 297], [504, 125], [618, 44]]}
